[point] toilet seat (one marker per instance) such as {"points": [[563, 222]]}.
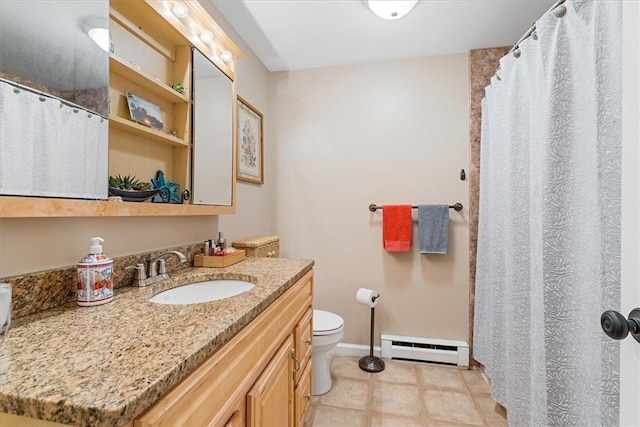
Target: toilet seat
{"points": [[326, 323]]}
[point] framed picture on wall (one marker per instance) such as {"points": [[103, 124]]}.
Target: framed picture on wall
{"points": [[250, 144]]}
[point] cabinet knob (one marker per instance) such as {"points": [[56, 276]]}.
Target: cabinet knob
{"points": [[307, 396], [308, 341]]}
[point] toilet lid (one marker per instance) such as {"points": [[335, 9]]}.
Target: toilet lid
{"points": [[325, 323]]}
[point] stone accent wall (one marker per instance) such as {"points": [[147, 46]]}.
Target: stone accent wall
{"points": [[483, 64]]}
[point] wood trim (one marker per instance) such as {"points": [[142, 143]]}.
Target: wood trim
{"points": [[41, 207]]}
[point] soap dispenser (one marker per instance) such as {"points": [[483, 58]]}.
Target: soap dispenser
{"points": [[95, 271]]}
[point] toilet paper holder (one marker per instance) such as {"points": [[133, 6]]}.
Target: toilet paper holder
{"points": [[372, 363]]}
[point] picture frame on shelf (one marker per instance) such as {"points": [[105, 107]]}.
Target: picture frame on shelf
{"points": [[144, 112], [250, 143]]}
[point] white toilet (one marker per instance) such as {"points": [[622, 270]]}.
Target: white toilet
{"points": [[327, 333]]}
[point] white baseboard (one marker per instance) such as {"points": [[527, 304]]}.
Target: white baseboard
{"points": [[353, 350]]}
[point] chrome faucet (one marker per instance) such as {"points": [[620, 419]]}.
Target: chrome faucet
{"points": [[156, 267]]}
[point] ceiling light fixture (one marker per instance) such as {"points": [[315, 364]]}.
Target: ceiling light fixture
{"points": [[391, 9], [180, 9], [206, 36], [98, 30]]}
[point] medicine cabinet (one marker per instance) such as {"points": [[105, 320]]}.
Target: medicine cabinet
{"points": [[151, 49]]}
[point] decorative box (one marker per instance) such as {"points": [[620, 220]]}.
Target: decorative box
{"points": [[259, 246]]}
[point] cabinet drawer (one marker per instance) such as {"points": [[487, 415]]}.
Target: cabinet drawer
{"points": [[304, 338], [303, 395]]}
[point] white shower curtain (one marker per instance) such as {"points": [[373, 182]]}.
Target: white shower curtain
{"points": [[548, 261]]}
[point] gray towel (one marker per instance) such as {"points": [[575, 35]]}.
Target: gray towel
{"points": [[433, 228]]}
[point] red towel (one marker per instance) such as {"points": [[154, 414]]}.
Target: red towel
{"points": [[396, 228]]}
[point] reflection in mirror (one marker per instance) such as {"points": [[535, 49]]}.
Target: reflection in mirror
{"points": [[44, 44], [212, 133], [53, 99]]}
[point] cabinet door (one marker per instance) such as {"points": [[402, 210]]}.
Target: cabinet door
{"points": [[270, 400]]}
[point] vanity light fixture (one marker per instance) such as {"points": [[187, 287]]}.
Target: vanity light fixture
{"points": [[180, 9], [98, 30], [226, 56], [206, 36], [391, 9]]}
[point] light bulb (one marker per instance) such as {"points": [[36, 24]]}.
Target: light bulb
{"points": [[226, 56], [391, 9], [206, 36], [97, 29], [180, 9], [100, 36]]}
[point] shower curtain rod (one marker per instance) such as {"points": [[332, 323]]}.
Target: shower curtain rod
{"points": [[533, 27], [48, 95]]}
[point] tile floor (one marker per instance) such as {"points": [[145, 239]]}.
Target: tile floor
{"points": [[405, 394]]}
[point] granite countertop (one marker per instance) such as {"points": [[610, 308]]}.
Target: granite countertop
{"points": [[104, 365]]}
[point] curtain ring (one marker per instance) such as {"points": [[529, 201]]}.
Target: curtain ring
{"points": [[534, 35], [75, 110], [42, 98], [517, 53], [16, 90], [560, 12]]}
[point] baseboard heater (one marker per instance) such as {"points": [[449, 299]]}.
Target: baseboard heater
{"points": [[425, 350]]}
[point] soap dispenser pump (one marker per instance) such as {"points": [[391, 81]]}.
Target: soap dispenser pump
{"points": [[95, 276]]}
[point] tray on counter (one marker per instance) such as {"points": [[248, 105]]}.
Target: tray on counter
{"points": [[219, 261]]}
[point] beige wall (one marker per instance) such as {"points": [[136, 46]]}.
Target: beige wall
{"points": [[254, 203], [385, 132], [30, 245]]}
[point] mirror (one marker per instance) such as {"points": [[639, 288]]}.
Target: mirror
{"points": [[54, 97], [213, 101]]}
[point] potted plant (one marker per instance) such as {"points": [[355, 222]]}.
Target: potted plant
{"points": [[130, 188]]}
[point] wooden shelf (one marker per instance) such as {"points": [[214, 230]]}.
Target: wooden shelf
{"points": [[146, 132], [142, 79], [34, 207]]}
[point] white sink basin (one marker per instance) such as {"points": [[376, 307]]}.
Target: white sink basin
{"points": [[195, 293]]}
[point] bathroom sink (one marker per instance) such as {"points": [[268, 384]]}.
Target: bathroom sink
{"points": [[195, 293]]}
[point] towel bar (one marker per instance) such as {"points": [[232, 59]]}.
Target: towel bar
{"points": [[456, 207]]}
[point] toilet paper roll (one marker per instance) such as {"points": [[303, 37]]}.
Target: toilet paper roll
{"points": [[367, 297]]}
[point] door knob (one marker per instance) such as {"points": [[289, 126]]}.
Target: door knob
{"points": [[617, 327]]}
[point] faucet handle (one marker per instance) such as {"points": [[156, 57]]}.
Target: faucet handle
{"points": [[141, 274], [162, 266]]}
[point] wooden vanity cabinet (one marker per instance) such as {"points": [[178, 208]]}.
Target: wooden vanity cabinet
{"points": [[257, 377]]}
